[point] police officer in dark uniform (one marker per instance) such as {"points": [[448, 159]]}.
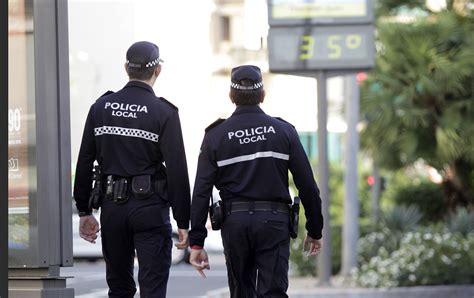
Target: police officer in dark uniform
{"points": [[247, 158], [136, 139]]}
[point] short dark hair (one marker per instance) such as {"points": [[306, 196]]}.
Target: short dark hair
{"points": [[247, 97], [143, 74]]}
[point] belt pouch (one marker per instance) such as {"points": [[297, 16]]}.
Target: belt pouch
{"points": [[120, 194], [142, 186]]}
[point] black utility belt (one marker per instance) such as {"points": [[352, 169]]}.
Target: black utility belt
{"points": [[251, 206], [119, 189], [217, 214]]}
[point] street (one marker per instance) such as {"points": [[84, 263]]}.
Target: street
{"points": [[88, 278]]}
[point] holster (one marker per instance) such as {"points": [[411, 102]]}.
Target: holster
{"points": [[294, 217], [95, 199], [216, 215], [161, 183]]}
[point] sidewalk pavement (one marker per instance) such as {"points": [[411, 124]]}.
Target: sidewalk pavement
{"points": [[308, 287]]}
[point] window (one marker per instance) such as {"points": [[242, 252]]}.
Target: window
{"points": [[224, 26], [22, 223]]}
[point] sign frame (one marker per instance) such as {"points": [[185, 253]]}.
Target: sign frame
{"points": [[280, 43], [368, 18]]}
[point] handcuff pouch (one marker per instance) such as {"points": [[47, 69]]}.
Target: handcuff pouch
{"points": [[142, 186]]}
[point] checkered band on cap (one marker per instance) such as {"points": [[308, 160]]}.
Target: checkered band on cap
{"points": [[149, 64], [154, 62], [251, 87], [127, 132], [143, 54]]}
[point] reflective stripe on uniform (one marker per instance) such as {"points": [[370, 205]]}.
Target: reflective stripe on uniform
{"points": [[127, 132], [225, 162]]}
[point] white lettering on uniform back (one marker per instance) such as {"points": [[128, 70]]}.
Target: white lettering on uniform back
{"points": [[125, 109], [252, 134]]}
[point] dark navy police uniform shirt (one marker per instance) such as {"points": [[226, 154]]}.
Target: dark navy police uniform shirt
{"points": [[247, 157], [131, 132]]}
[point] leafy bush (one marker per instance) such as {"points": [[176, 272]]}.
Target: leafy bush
{"points": [[402, 218], [427, 196], [462, 221], [430, 256], [395, 222], [370, 244]]}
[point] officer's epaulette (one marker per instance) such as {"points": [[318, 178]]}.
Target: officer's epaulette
{"points": [[107, 93], [172, 105], [284, 121], [214, 124]]}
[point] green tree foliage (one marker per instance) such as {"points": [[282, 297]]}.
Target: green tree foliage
{"points": [[393, 7], [418, 102]]}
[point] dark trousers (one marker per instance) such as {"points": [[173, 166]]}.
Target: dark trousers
{"points": [[142, 226], [256, 248]]}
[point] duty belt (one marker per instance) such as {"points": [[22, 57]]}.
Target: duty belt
{"points": [[251, 206], [119, 189]]}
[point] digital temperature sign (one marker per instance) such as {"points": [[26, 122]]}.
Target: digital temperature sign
{"points": [[321, 47]]}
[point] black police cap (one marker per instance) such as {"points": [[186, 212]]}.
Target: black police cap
{"points": [[143, 54], [242, 73]]}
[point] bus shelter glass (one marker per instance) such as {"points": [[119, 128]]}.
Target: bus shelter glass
{"points": [[22, 215]]}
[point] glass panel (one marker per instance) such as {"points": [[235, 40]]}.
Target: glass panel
{"points": [[22, 215]]}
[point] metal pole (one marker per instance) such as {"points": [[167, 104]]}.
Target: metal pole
{"points": [[324, 259], [350, 227], [376, 189]]}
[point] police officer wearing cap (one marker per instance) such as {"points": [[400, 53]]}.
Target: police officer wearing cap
{"points": [[136, 139], [247, 158]]}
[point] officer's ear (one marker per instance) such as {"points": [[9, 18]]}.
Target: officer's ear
{"points": [[263, 96], [231, 98], [158, 70], [126, 67]]}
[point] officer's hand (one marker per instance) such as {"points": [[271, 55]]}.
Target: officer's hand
{"points": [[312, 246], [88, 228], [199, 260], [183, 239]]}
